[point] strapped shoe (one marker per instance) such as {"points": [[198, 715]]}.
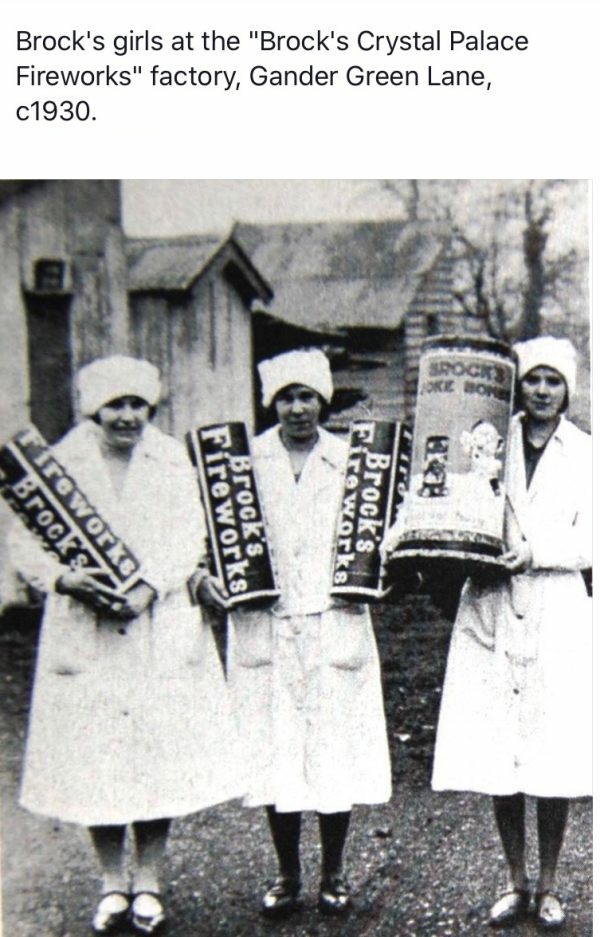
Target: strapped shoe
{"points": [[281, 898], [334, 895], [509, 908], [111, 912], [549, 912], [147, 912]]}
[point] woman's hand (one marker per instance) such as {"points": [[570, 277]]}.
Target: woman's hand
{"points": [[81, 585], [210, 593], [517, 559], [392, 537]]}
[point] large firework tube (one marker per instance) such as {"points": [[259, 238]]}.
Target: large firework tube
{"points": [[455, 507], [374, 488], [53, 507], [239, 549]]}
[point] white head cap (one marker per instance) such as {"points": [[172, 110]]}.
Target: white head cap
{"points": [[549, 352], [106, 379], [310, 368]]}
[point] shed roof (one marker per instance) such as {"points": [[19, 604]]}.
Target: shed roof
{"points": [[156, 264], [169, 265], [343, 274]]}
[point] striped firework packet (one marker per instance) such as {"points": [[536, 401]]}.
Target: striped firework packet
{"points": [[375, 484], [53, 507], [239, 549]]}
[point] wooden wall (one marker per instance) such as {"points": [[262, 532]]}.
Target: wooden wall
{"points": [[432, 312], [373, 365], [384, 363], [14, 369], [202, 343], [77, 221]]}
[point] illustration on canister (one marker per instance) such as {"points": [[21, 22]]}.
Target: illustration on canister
{"points": [[433, 483], [483, 444]]}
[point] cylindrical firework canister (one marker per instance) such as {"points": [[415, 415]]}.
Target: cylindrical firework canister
{"points": [[239, 550], [374, 486], [53, 507], [456, 499]]}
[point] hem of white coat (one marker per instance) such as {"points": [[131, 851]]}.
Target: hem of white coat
{"points": [[123, 819], [494, 790], [291, 806]]}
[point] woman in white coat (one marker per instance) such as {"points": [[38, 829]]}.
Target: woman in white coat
{"points": [[129, 720], [304, 675], [516, 708]]}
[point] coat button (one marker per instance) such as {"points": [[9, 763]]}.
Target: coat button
{"points": [[515, 691], [122, 631]]}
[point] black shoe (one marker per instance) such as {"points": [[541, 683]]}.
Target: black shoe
{"points": [[334, 896], [281, 898]]}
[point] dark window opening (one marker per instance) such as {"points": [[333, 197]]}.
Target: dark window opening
{"points": [[432, 324], [50, 364], [49, 276]]}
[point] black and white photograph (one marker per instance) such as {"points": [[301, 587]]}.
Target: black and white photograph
{"points": [[295, 557]]}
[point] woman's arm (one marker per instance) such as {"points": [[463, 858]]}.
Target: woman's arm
{"points": [[46, 574], [37, 567]]}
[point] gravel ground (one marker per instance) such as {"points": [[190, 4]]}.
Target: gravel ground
{"points": [[424, 865]]}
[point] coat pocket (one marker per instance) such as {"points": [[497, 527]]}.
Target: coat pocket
{"points": [[347, 637], [479, 611], [251, 636], [69, 638], [178, 638]]}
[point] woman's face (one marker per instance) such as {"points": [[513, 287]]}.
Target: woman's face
{"points": [[298, 410], [123, 420], [543, 394]]}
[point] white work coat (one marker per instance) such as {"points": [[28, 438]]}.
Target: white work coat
{"points": [[304, 675], [129, 721], [516, 706]]}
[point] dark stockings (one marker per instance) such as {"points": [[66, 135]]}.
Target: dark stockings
{"points": [[552, 813], [150, 837], [109, 843], [510, 819], [334, 829], [285, 831]]}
